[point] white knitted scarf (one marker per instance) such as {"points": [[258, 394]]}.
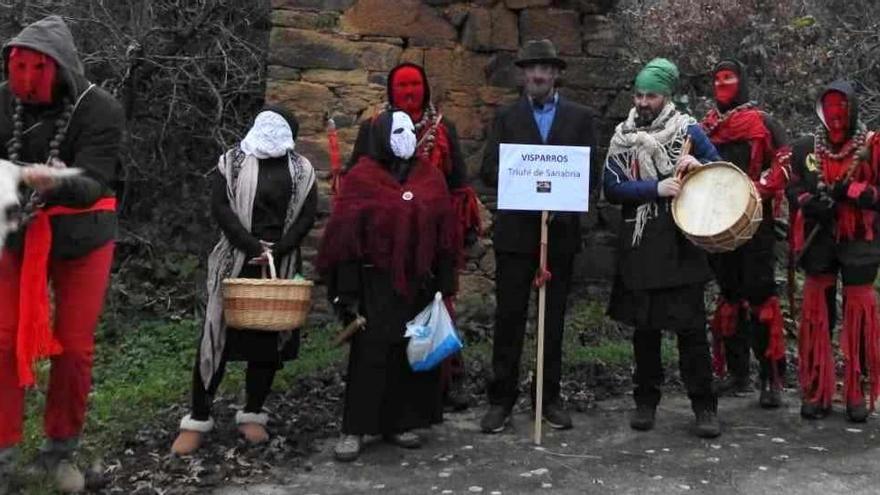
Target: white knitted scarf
{"points": [[649, 153]]}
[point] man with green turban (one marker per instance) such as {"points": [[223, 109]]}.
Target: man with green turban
{"points": [[660, 274], [659, 76]]}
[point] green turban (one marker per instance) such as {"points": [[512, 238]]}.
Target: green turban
{"points": [[659, 76]]}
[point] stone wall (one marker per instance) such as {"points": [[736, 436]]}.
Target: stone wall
{"points": [[332, 57]]}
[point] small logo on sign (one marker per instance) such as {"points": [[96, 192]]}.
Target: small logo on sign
{"points": [[543, 186], [408, 196]]}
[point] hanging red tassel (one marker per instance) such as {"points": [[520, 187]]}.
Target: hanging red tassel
{"points": [[815, 359], [724, 324], [333, 150], [770, 315], [860, 328]]}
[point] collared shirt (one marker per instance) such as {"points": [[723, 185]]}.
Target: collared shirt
{"points": [[544, 114]]}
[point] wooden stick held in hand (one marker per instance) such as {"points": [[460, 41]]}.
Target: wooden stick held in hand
{"points": [[348, 332]]}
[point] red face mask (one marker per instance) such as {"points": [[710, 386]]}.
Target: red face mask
{"points": [[32, 75], [835, 109], [408, 91], [726, 87]]}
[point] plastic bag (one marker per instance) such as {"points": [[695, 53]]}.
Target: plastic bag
{"points": [[432, 336]]}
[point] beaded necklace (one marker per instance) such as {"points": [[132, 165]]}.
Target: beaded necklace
{"points": [[428, 120], [857, 147], [726, 115], [14, 145]]}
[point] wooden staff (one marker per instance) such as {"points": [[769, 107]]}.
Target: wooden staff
{"points": [[542, 302], [348, 332]]}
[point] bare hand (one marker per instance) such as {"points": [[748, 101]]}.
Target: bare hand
{"points": [[669, 188], [686, 164], [40, 178], [262, 259]]}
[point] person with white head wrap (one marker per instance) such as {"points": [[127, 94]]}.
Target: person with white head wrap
{"points": [[264, 196]]}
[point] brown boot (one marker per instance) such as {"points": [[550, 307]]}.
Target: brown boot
{"points": [[252, 426], [190, 437]]}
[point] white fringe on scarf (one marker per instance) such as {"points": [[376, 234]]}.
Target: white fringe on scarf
{"points": [[655, 149]]}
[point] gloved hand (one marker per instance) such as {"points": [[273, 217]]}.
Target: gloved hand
{"points": [[839, 190], [819, 207], [346, 308]]}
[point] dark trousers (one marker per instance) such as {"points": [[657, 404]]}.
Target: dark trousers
{"points": [[693, 364], [747, 274], [514, 274], [753, 337], [258, 384]]}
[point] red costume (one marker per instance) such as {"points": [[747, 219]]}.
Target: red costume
{"points": [[835, 191], [408, 90], [748, 312]]}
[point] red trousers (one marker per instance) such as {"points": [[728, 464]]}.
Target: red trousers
{"points": [[79, 286]]}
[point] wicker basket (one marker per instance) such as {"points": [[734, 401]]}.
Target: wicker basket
{"points": [[271, 304]]}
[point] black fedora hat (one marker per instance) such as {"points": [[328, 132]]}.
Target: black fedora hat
{"points": [[539, 52]]}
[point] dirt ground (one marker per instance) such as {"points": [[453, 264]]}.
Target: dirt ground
{"points": [[759, 452]]}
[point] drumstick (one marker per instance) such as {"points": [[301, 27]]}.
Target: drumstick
{"points": [[685, 150], [348, 332]]}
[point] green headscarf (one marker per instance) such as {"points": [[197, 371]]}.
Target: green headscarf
{"points": [[659, 76]]}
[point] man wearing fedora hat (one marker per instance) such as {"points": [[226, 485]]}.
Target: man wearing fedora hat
{"points": [[540, 116]]}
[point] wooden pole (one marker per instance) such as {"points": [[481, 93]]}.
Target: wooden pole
{"points": [[542, 302]]}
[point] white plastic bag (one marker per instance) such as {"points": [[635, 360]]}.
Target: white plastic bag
{"points": [[432, 336]]}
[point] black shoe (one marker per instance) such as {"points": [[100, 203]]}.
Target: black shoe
{"points": [[857, 413], [557, 417], [407, 440], [734, 386], [455, 399], [642, 418], [495, 420], [707, 425], [811, 410], [771, 398]]}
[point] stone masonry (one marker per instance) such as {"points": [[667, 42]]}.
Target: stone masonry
{"points": [[331, 57]]}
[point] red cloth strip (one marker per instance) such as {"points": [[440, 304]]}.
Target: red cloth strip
{"points": [[815, 359], [860, 337], [34, 338]]}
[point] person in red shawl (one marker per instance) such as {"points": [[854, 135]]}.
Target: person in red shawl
{"points": [[835, 178], [50, 113], [390, 244], [748, 313], [408, 90]]}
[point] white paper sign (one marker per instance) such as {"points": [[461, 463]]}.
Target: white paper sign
{"points": [[543, 177]]}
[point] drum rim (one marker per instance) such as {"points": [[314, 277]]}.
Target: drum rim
{"points": [[707, 166]]}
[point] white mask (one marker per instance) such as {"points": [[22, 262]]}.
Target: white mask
{"points": [[403, 136]]}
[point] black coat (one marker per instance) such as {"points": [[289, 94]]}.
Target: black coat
{"points": [[92, 143], [520, 231]]}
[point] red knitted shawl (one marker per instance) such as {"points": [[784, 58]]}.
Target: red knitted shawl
{"points": [[399, 227]]}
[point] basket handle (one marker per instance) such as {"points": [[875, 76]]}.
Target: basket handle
{"points": [[272, 273]]}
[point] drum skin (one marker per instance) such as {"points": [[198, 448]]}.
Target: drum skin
{"points": [[718, 208]]}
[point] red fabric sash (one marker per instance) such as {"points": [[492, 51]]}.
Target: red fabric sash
{"points": [[746, 124], [397, 227], [34, 339]]}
